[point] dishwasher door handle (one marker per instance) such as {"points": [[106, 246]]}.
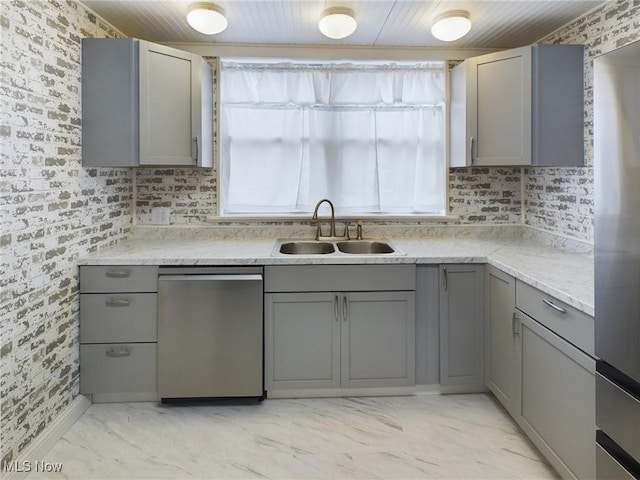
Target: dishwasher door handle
{"points": [[209, 278]]}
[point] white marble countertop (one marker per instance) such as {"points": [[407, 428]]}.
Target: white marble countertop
{"points": [[566, 276]]}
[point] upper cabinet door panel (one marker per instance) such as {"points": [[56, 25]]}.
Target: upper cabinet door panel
{"points": [[166, 110], [503, 103]]}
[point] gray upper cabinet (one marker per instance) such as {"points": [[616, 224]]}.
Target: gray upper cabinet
{"points": [[522, 106], [462, 326], [145, 104], [502, 339]]}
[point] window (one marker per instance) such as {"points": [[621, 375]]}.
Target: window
{"points": [[368, 136]]}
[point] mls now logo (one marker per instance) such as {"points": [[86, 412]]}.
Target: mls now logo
{"points": [[28, 466]]}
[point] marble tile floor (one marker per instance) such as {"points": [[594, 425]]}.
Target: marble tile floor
{"points": [[416, 437]]}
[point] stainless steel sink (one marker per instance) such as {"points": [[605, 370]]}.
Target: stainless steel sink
{"points": [[306, 248], [335, 248], [364, 247]]}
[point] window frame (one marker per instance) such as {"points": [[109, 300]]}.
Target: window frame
{"points": [[221, 217]]}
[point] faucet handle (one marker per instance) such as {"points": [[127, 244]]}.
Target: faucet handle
{"points": [[359, 230], [346, 233]]}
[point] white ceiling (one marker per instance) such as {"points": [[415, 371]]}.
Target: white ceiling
{"points": [[496, 23]]}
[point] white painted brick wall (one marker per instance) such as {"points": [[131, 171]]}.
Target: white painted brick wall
{"points": [[53, 211]]}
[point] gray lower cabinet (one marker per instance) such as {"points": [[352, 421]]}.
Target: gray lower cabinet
{"points": [[502, 339], [377, 337], [118, 333], [330, 340], [462, 326], [339, 340], [302, 340], [558, 400]]}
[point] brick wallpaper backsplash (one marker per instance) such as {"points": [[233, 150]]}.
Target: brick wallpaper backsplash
{"points": [[53, 211], [485, 195]]}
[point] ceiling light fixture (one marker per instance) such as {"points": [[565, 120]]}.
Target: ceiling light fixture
{"points": [[337, 22], [207, 18], [451, 25]]}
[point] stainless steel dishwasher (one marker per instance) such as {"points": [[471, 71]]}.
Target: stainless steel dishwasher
{"points": [[210, 332]]}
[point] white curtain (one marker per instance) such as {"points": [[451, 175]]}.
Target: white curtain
{"points": [[368, 137]]}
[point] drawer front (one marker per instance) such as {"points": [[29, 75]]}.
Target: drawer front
{"points": [[573, 325], [118, 278], [608, 467], [118, 317], [618, 415], [339, 278], [118, 368]]}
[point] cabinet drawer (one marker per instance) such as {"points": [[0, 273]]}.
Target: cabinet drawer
{"points": [[571, 324], [118, 278], [339, 278], [117, 317], [618, 415], [118, 368]]}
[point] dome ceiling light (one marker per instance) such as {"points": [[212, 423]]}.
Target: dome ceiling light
{"points": [[337, 23], [207, 18], [451, 25]]}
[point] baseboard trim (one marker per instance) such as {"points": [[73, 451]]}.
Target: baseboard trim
{"points": [[44, 442]]}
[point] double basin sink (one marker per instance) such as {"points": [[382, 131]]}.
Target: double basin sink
{"points": [[348, 247]]}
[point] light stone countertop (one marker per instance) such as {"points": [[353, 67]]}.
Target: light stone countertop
{"points": [[566, 276]]}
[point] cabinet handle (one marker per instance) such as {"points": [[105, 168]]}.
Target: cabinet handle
{"points": [[118, 352], [515, 324], [472, 142], [555, 307], [117, 302], [445, 280], [118, 274], [197, 150], [345, 312], [335, 308]]}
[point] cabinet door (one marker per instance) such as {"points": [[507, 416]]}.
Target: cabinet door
{"points": [[500, 106], [170, 105], [558, 400], [502, 354], [378, 339], [302, 340], [462, 325]]}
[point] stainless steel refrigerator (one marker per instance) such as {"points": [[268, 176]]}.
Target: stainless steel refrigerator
{"points": [[616, 129]]}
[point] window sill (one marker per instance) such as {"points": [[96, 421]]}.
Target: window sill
{"points": [[305, 219]]}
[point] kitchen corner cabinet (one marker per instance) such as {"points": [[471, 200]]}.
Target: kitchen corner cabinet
{"points": [[319, 338], [523, 106], [462, 327], [502, 340], [558, 389], [540, 367], [145, 104], [118, 333]]}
